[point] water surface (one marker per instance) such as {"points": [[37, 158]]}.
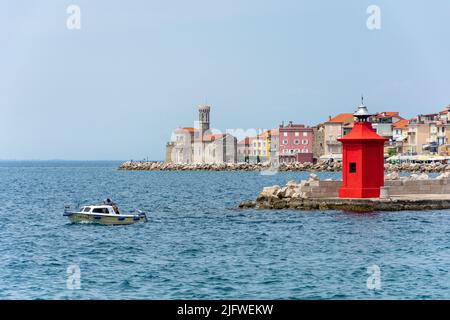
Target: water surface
{"points": [[198, 246]]}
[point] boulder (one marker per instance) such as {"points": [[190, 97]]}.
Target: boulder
{"points": [[393, 176], [444, 175], [423, 176], [292, 183]]}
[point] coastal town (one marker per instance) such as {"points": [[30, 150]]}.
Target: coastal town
{"points": [[424, 137]]}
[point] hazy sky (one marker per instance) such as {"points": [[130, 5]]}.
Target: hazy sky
{"points": [[136, 69]]}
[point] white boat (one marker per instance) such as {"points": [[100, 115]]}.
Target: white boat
{"points": [[107, 213]]}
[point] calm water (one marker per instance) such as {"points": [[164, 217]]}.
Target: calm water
{"points": [[197, 246]]}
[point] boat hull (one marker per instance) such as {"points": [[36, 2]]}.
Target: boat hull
{"points": [[106, 219]]}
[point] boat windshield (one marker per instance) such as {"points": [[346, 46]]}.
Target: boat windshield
{"points": [[87, 209], [101, 210]]}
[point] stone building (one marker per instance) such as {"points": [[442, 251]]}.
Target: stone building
{"points": [[215, 148], [318, 142], [199, 144], [169, 151]]}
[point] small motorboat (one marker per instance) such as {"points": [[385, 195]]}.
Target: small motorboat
{"points": [[106, 213]]}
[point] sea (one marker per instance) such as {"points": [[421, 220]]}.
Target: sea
{"points": [[198, 245]]}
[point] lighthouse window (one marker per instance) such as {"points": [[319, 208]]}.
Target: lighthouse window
{"points": [[352, 168]]}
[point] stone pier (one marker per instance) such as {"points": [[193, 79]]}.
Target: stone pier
{"points": [[417, 192]]}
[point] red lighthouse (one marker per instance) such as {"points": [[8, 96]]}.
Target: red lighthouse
{"points": [[362, 159]]}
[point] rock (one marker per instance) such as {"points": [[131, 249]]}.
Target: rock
{"points": [[247, 204], [289, 193], [393, 176], [267, 192], [291, 183], [304, 183], [423, 176], [281, 192], [444, 175], [295, 166]]}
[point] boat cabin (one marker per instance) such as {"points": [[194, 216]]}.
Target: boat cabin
{"points": [[100, 209]]}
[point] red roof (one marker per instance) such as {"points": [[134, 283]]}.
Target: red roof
{"points": [[401, 124], [342, 117], [187, 129], [245, 141], [387, 114], [211, 137]]}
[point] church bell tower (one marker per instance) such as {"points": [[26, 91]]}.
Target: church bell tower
{"points": [[203, 118]]}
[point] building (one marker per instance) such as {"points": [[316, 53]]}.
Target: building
{"points": [[199, 145], [334, 129], [382, 122], [418, 135], [260, 148], [318, 142], [181, 146], [243, 150], [274, 147], [399, 135], [422, 134], [169, 151], [295, 143], [215, 148]]}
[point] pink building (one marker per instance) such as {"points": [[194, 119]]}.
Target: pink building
{"points": [[295, 143]]}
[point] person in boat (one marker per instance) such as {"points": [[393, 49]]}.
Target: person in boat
{"points": [[108, 202], [116, 209]]}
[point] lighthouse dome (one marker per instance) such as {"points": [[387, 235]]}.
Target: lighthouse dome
{"points": [[362, 111]]}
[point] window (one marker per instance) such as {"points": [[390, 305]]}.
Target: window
{"points": [[296, 141], [285, 142], [284, 134], [101, 210], [87, 209], [352, 167], [305, 134], [304, 141], [297, 134]]}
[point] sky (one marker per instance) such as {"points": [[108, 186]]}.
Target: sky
{"points": [[135, 70]]}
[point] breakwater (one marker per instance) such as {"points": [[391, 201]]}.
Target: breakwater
{"points": [[417, 192], [284, 167]]}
